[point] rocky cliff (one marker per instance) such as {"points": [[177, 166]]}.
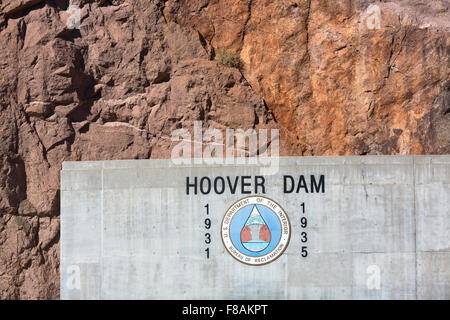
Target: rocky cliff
{"points": [[336, 77]]}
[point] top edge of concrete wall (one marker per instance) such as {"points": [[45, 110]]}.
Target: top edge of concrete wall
{"points": [[283, 161]]}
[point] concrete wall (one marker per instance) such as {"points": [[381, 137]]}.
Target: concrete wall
{"points": [[380, 231]]}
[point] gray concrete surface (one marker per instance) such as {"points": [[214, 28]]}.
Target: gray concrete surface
{"points": [[380, 231]]}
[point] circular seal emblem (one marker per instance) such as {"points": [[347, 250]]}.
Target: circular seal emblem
{"points": [[255, 230]]}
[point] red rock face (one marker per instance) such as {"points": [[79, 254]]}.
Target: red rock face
{"points": [[338, 85], [264, 234], [136, 70], [246, 235]]}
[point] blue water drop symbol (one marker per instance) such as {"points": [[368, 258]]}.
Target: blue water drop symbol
{"points": [[255, 235]]}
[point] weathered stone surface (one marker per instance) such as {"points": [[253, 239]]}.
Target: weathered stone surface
{"points": [[338, 85], [136, 70]]}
